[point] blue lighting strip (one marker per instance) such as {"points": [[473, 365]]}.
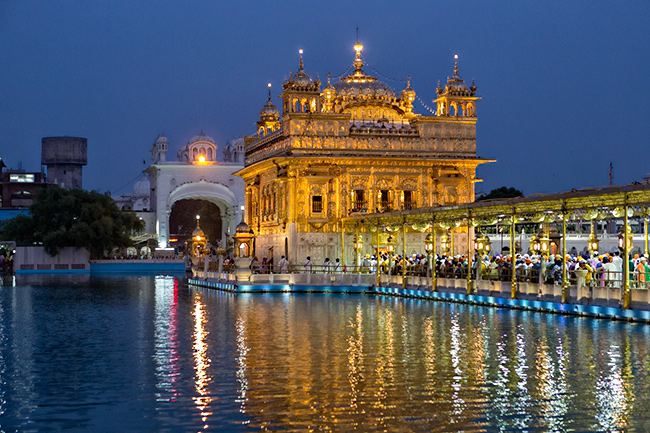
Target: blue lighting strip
{"points": [[521, 304]]}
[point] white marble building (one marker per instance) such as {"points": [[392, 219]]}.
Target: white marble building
{"points": [[194, 174]]}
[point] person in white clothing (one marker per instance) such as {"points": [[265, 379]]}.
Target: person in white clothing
{"points": [[617, 263], [308, 265], [283, 264]]}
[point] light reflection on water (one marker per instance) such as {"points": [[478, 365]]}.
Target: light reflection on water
{"points": [[145, 354]]}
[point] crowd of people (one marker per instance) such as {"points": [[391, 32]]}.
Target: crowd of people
{"points": [[597, 269]]}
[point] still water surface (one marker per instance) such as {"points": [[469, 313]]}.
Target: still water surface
{"points": [[140, 353]]}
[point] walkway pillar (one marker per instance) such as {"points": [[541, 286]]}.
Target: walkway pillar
{"points": [[626, 260], [645, 233], [378, 265], [469, 255], [404, 254], [434, 285], [513, 281], [565, 279]]}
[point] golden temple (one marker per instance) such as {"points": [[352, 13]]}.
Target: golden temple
{"points": [[354, 147]]}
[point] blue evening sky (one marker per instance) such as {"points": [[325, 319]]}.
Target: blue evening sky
{"points": [[565, 84]]}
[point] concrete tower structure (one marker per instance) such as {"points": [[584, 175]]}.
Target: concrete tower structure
{"points": [[64, 158]]}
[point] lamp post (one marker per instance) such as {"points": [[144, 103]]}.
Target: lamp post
{"points": [[430, 245], [444, 243], [625, 239], [358, 246], [534, 245], [482, 244], [390, 246], [625, 245], [592, 245]]}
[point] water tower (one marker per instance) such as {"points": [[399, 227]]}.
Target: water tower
{"points": [[64, 158]]}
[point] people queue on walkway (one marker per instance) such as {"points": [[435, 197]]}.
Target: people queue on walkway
{"points": [[587, 269]]}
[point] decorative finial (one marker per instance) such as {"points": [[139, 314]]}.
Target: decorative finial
{"points": [[408, 81], [328, 78], [269, 85], [358, 63], [456, 65], [300, 65]]}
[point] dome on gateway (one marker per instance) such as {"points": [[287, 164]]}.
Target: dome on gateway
{"points": [[202, 138]]}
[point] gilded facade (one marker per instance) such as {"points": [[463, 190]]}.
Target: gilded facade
{"points": [[354, 146]]}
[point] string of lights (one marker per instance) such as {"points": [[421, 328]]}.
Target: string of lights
{"points": [[382, 75], [425, 105]]}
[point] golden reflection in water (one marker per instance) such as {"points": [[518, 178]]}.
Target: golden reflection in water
{"points": [[458, 404], [355, 356], [477, 357], [201, 360], [385, 366], [430, 356], [242, 352], [612, 400], [524, 400], [552, 385]]}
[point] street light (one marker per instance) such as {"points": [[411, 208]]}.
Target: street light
{"points": [[544, 242], [535, 245], [592, 245], [482, 244], [428, 244], [622, 237], [358, 246], [444, 243], [390, 246]]}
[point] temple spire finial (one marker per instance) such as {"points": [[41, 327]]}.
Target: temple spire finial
{"points": [[456, 65], [269, 85], [300, 64]]}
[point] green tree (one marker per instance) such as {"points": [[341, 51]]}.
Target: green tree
{"points": [[502, 192], [61, 218]]}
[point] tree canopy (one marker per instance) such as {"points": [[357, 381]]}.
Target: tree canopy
{"points": [[502, 192], [61, 218]]}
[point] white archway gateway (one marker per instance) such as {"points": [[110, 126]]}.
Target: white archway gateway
{"points": [[194, 175]]}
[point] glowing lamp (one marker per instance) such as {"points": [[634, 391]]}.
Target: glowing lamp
{"points": [[445, 243], [428, 243], [625, 239], [535, 245], [482, 244], [358, 243], [389, 244]]}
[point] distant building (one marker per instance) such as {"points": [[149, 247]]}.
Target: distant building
{"points": [[19, 187]]}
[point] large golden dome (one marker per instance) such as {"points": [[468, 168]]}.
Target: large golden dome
{"points": [[361, 87]]}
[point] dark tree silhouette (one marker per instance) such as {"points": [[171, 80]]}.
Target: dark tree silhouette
{"points": [[61, 218], [502, 192]]}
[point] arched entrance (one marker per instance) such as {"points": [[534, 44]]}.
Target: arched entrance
{"points": [[182, 221], [213, 193]]}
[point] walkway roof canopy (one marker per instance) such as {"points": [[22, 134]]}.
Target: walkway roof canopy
{"points": [[583, 204]]}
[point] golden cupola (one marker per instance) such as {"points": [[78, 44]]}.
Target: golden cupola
{"points": [[328, 97], [301, 94], [456, 99], [407, 97], [269, 117]]}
